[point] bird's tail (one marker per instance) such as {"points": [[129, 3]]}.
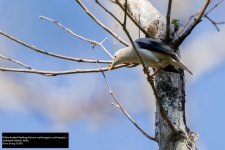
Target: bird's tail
{"points": [[182, 66]]}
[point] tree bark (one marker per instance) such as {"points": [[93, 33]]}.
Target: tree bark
{"points": [[171, 91], [170, 86]]}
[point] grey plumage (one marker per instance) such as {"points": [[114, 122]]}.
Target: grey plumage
{"points": [[155, 45], [154, 53]]}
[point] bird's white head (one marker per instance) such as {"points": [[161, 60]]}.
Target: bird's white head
{"points": [[121, 57]]}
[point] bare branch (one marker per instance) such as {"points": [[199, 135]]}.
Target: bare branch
{"points": [[52, 54], [186, 23], [137, 23], [107, 11], [93, 42], [177, 42], [162, 111], [125, 13], [132, 19], [112, 1], [56, 73], [114, 39], [16, 61], [130, 38], [205, 15], [149, 78], [101, 24], [103, 41], [211, 9], [214, 23], [211, 20], [168, 21], [119, 105]]}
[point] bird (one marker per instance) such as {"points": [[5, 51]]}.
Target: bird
{"points": [[154, 53]]}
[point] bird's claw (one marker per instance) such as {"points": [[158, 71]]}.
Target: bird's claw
{"points": [[146, 70], [151, 78]]}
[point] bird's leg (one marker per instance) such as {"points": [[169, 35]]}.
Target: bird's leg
{"points": [[157, 71], [146, 70]]}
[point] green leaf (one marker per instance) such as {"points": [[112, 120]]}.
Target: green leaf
{"points": [[176, 23]]}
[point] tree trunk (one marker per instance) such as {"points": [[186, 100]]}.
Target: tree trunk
{"points": [[171, 91], [170, 86]]}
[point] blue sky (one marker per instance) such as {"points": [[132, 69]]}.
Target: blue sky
{"points": [[80, 104]]}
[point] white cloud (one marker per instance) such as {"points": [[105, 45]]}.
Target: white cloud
{"points": [[63, 104], [180, 9], [12, 93], [204, 52]]}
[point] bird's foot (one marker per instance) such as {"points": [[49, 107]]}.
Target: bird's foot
{"points": [[151, 78], [146, 70], [156, 72]]}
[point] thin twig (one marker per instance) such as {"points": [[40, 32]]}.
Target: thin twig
{"points": [[177, 42], [162, 110], [149, 79], [52, 54], [132, 19], [216, 5], [56, 73], [214, 23], [186, 23], [114, 39], [125, 15], [168, 21], [93, 42], [16, 61], [211, 20], [101, 24], [103, 41], [107, 11], [205, 15], [119, 105], [131, 40]]}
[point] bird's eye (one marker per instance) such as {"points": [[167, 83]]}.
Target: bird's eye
{"points": [[115, 56]]}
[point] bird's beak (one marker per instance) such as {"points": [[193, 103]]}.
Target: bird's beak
{"points": [[111, 66]]}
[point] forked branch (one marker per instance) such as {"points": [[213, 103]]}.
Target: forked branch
{"points": [[52, 54], [119, 105], [57, 73], [206, 15], [177, 42], [149, 78], [107, 11], [100, 23], [214, 23], [132, 19], [93, 42], [216, 5], [16, 61]]}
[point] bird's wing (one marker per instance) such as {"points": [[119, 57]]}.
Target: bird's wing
{"points": [[157, 46]]}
